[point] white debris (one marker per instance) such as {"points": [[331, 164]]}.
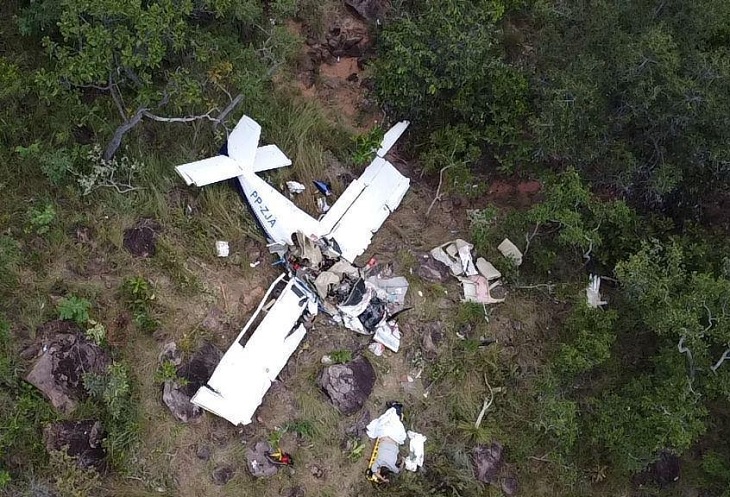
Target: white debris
{"points": [[457, 256], [477, 288], [593, 292], [222, 249], [388, 334], [391, 136], [295, 187], [388, 425], [392, 290], [322, 205], [414, 460], [376, 348], [510, 251], [487, 269]]}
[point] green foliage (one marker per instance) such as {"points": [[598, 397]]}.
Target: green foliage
{"points": [[302, 427], [9, 261], [97, 333], [584, 222], [590, 335], [478, 93], [340, 356], [653, 411], [73, 308], [168, 372], [366, 145], [682, 300], [5, 479], [633, 94], [114, 390], [70, 479], [40, 219], [111, 388], [139, 297]]}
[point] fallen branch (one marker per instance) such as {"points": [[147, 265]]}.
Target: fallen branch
{"points": [[438, 190], [685, 350], [487, 404]]}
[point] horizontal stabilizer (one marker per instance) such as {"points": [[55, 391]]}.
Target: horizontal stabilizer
{"points": [[207, 171], [269, 157]]}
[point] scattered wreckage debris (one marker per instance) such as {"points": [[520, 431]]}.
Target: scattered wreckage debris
{"points": [[478, 280], [59, 370], [82, 440], [348, 385], [389, 434], [222, 249], [317, 255], [593, 292], [141, 239]]}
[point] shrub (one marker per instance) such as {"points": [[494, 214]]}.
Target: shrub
{"points": [[73, 308]]}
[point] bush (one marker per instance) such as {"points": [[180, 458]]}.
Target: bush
{"points": [[590, 335], [73, 308]]}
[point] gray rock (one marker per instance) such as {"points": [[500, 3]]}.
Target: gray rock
{"points": [[370, 10], [214, 321], [349, 385], [195, 372], [223, 474], [510, 486], [178, 401], [432, 270], [60, 369], [296, 491], [170, 353], [203, 453], [359, 428], [488, 460], [256, 461]]}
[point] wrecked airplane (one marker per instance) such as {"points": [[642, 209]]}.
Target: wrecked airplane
{"points": [[262, 349]]}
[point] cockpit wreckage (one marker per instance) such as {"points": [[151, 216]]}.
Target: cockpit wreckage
{"points": [[317, 255]]}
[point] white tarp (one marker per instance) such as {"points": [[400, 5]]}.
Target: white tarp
{"points": [[387, 425], [245, 373], [416, 446]]}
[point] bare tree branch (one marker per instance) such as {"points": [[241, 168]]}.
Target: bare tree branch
{"points": [[113, 145], [685, 350], [438, 190], [725, 356]]}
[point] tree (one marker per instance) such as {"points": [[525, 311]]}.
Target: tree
{"points": [[419, 76]]}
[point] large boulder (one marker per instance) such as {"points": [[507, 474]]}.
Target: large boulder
{"points": [[370, 10], [79, 439], [59, 370], [176, 394], [488, 461], [349, 385]]}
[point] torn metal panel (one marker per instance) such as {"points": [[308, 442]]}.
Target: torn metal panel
{"points": [[510, 251], [457, 256], [246, 371], [392, 290], [391, 136], [477, 288], [487, 270], [388, 334]]}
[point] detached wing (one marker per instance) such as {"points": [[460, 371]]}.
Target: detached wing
{"points": [[246, 371], [363, 207]]}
